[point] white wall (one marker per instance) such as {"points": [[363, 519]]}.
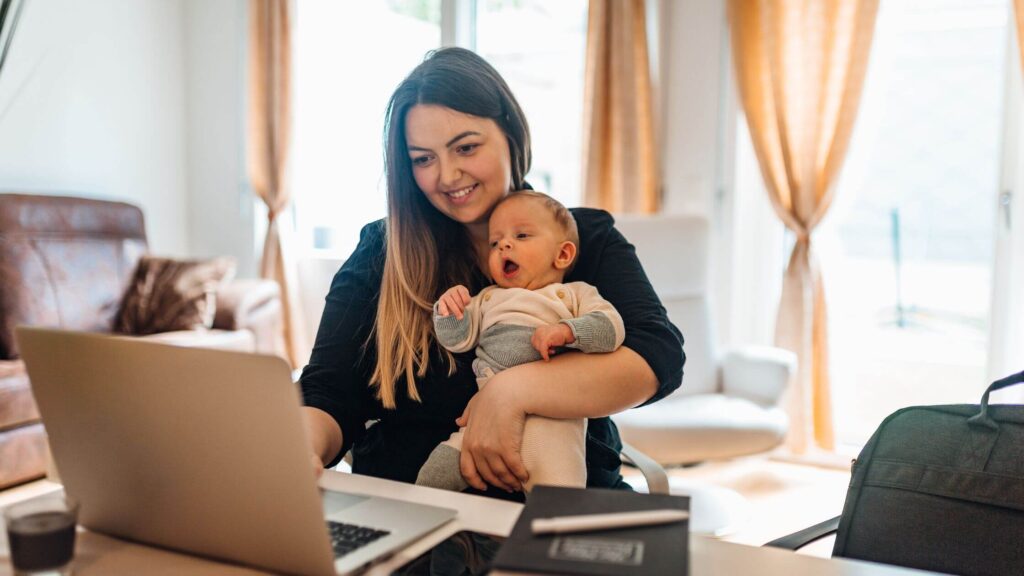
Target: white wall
{"points": [[699, 127], [221, 204], [92, 103], [694, 38]]}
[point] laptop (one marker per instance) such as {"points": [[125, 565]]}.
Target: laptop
{"points": [[202, 451]]}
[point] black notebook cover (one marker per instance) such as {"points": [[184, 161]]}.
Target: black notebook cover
{"points": [[641, 550]]}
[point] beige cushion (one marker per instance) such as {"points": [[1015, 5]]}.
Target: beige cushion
{"points": [[688, 429], [236, 340]]}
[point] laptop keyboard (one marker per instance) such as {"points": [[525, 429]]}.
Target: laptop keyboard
{"points": [[346, 538]]}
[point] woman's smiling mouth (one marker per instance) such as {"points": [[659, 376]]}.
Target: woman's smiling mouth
{"points": [[461, 195]]}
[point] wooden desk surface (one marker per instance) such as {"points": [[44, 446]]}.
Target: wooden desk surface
{"points": [[97, 554]]}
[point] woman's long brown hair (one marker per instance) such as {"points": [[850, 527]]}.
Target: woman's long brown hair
{"points": [[427, 252]]}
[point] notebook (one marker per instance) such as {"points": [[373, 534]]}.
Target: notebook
{"points": [[626, 551]]}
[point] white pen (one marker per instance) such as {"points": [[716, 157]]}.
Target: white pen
{"points": [[592, 522]]}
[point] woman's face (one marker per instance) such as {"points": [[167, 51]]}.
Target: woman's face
{"points": [[461, 162]]}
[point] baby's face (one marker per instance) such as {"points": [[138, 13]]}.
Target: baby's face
{"points": [[526, 243]]}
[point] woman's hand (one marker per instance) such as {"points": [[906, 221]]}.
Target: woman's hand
{"points": [[453, 301], [493, 420]]}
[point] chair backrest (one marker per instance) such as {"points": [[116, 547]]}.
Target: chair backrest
{"points": [[674, 252], [64, 262]]}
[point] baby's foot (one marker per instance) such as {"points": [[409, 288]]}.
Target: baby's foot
{"points": [[441, 470]]}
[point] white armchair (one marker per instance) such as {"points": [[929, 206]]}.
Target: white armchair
{"points": [[728, 403]]}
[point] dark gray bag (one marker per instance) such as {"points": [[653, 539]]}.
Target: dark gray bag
{"points": [[937, 488]]}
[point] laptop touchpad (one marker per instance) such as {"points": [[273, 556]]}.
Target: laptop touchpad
{"points": [[335, 501]]}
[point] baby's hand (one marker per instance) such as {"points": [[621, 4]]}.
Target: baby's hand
{"points": [[547, 338], [453, 301]]}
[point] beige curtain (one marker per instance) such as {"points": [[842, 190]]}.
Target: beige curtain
{"points": [[800, 67], [1018, 10], [619, 159], [269, 134]]}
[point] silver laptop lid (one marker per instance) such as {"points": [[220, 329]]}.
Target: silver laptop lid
{"points": [[192, 449]]}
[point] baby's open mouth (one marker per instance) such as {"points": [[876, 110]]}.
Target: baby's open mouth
{"points": [[510, 268]]}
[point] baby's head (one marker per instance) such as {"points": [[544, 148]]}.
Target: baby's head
{"points": [[533, 241]]}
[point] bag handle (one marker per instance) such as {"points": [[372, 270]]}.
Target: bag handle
{"points": [[982, 418]]}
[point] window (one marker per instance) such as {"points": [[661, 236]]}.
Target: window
{"points": [[347, 63], [546, 75], [907, 247], [349, 56]]}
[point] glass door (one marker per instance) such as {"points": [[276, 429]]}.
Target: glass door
{"points": [[1006, 347], [907, 249]]}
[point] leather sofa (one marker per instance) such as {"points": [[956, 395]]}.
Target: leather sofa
{"points": [[65, 263]]}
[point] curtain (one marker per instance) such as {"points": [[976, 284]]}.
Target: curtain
{"points": [[1018, 10], [269, 124], [800, 67], [619, 159]]}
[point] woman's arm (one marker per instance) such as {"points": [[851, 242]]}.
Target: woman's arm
{"points": [[576, 385], [324, 436], [572, 385], [334, 383]]}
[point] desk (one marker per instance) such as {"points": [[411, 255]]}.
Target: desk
{"points": [[97, 554]]}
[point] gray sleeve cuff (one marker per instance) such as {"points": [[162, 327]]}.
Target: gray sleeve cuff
{"points": [[594, 332], [451, 332]]}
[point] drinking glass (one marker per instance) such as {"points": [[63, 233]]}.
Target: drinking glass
{"points": [[41, 534]]}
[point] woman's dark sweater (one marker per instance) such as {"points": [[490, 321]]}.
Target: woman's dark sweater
{"points": [[395, 443]]}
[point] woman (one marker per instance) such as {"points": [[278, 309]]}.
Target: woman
{"points": [[456, 143]]}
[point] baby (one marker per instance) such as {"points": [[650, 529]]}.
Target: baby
{"points": [[527, 316]]}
